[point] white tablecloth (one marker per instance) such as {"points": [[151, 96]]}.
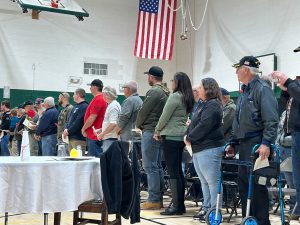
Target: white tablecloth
{"points": [[47, 184]]}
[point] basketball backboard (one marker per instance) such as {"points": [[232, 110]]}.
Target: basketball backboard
{"points": [[69, 7]]}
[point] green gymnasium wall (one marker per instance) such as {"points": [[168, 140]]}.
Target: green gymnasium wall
{"points": [[18, 96]]}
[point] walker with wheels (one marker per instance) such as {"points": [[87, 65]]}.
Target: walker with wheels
{"points": [[214, 217]]}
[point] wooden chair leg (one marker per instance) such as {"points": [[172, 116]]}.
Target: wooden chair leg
{"points": [[57, 218], [104, 217], [46, 218], [6, 218], [75, 217]]}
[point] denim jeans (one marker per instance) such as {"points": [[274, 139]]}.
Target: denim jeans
{"points": [[207, 164], [296, 168], [4, 146], [151, 157], [107, 143], [94, 147], [49, 145], [19, 144], [284, 154]]}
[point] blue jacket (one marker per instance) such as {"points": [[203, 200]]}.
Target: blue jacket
{"points": [[48, 123], [75, 121]]}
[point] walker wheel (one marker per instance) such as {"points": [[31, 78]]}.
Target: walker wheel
{"points": [[210, 217], [249, 220]]}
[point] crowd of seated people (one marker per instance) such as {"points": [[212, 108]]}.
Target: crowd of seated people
{"points": [[202, 118]]}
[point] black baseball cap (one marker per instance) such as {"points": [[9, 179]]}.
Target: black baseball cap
{"points": [[297, 49], [247, 61], [29, 102], [155, 71], [97, 83], [224, 91]]}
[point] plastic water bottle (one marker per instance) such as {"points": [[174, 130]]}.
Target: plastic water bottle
{"points": [[79, 151]]}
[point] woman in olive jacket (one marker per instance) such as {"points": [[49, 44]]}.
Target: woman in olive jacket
{"points": [[205, 135], [171, 129]]}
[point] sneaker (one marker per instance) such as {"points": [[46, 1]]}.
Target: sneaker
{"points": [[200, 215], [151, 205]]}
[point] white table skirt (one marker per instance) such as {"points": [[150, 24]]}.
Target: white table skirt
{"points": [[47, 184]]}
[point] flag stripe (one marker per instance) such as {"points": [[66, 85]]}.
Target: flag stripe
{"points": [[154, 36], [137, 35], [167, 31], [171, 32], [161, 30], [142, 34], [155, 29]]}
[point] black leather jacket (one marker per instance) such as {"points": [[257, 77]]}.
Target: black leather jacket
{"points": [[293, 90], [256, 112]]}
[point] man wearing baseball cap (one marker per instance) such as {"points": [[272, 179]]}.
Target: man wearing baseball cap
{"points": [[93, 118], [228, 113], [255, 122], [147, 119]]}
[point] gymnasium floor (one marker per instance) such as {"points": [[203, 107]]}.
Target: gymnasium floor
{"points": [[148, 217]]}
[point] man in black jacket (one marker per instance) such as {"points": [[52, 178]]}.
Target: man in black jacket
{"points": [[255, 122], [75, 121], [47, 128], [290, 96]]}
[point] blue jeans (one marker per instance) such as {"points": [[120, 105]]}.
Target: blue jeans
{"points": [[151, 157], [49, 145], [207, 164], [296, 168], [94, 147], [4, 146], [284, 154], [107, 143]]}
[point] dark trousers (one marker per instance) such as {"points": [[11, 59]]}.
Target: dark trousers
{"points": [[260, 200], [173, 155]]}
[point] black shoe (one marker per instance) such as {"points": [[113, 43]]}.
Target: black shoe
{"points": [[171, 211], [200, 215]]}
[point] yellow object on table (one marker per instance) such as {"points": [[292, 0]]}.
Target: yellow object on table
{"points": [[74, 153]]}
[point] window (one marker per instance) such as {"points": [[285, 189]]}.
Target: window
{"points": [[95, 69]]}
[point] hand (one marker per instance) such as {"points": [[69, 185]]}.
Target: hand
{"points": [[263, 151], [186, 141], [281, 77], [32, 126], [282, 87], [97, 131], [83, 132], [99, 136], [188, 122], [118, 130], [65, 133], [157, 137], [229, 151]]}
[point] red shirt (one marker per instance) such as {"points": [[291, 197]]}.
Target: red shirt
{"points": [[97, 106]]}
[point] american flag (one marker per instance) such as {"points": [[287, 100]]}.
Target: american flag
{"points": [[155, 29]]}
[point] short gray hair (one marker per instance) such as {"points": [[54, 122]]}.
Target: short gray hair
{"points": [[132, 85], [110, 92], [253, 70], [49, 101]]}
